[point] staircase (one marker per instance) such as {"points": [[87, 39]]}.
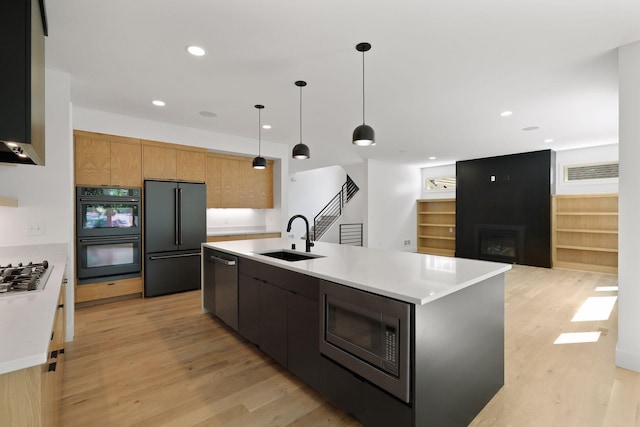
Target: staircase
{"points": [[332, 211]]}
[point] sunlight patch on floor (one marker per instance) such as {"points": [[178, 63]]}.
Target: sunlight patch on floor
{"points": [[595, 308], [577, 337]]}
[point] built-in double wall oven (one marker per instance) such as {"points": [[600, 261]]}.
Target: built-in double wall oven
{"points": [[367, 334], [109, 233]]}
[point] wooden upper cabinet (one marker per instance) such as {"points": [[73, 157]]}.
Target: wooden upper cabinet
{"points": [[191, 165], [233, 183], [263, 184], [173, 162], [92, 161], [104, 160], [214, 181], [126, 165], [158, 162]]}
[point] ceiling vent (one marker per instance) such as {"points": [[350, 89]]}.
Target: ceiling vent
{"points": [[605, 170]]}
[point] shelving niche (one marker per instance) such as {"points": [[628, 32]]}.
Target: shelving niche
{"points": [[436, 226], [585, 232]]}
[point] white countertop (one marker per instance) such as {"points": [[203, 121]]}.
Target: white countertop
{"points": [[411, 277], [27, 318]]}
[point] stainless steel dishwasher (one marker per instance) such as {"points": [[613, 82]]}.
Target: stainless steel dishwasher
{"points": [[220, 288]]}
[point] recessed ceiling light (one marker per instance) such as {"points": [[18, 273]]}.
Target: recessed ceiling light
{"points": [[266, 126], [196, 50], [432, 158], [158, 103], [531, 128], [548, 140], [208, 114], [506, 113]]}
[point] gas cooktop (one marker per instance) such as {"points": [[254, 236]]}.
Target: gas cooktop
{"points": [[22, 279]]}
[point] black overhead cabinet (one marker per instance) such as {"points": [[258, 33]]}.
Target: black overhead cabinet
{"points": [[175, 225]]}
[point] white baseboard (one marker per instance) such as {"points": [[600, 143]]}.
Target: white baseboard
{"points": [[627, 360]]}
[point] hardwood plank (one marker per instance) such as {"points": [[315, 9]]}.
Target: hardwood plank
{"points": [[160, 361]]}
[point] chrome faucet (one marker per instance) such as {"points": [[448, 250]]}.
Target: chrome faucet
{"points": [[309, 243]]}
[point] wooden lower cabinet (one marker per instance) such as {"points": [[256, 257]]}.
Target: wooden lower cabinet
{"points": [[109, 289], [31, 396]]}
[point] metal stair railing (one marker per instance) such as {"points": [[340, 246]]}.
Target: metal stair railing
{"points": [[332, 210]]}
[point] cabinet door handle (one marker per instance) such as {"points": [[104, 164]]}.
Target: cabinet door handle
{"points": [[52, 367]]}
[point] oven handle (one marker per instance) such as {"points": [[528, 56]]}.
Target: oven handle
{"points": [[153, 258], [108, 200], [109, 239]]}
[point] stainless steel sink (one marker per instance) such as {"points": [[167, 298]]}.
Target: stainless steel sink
{"points": [[290, 255]]}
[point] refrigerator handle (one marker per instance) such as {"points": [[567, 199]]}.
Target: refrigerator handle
{"points": [[180, 216], [176, 223]]}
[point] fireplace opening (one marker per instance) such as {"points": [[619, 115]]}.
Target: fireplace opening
{"points": [[500, 243]]}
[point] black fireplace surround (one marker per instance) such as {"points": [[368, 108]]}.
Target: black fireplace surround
{"points": [[503, 208]]}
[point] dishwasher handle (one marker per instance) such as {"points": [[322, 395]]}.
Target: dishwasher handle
{"points": [[222, 260]]}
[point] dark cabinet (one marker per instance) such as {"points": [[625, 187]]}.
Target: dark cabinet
{"points": [[273, 322], [302, 338], [278, 311], [249, 308]]}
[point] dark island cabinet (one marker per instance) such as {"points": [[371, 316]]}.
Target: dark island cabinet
{"points": [[278, 311], [273, 322], [249, 308]]}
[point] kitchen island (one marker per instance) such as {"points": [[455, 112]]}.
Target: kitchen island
{"points": [[453, 343]]}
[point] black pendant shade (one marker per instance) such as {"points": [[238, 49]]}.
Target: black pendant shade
{"points": [[259, 162], [300, 150], [363, 135]]}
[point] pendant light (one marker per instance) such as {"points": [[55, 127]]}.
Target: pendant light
{"points": [[363, 135], [300, 151], [259, 162]]}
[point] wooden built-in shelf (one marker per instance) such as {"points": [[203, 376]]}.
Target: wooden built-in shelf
{"points": [[585, 232], [436, 232]]}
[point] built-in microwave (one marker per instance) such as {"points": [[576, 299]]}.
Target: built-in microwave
{"points": [[368, 334]]}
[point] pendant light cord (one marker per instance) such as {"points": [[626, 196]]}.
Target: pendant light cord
{"points": [[300, 114], [259, 133], [363, 103]]}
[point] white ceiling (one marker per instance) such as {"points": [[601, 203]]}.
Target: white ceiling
{"points": [[437, 77]]}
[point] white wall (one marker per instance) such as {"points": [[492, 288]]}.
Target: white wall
{"points": [[603, 153], [391, 211], [115, 124], [310, 191], [45, 193], [628, 349]]}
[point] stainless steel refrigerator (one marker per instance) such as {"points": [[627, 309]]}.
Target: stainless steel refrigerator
{"points": [[175, 225]]}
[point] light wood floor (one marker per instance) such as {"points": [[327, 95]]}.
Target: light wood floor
{"points": [[160, 362]]}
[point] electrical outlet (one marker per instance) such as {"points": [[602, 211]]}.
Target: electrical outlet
{"points": [[407, 242], [34, 229]]}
